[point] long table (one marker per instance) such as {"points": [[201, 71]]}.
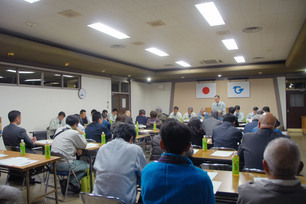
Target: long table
{"points": [[25, 170], [206, 155]]}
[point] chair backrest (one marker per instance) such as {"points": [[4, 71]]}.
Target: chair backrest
{"points": [[88, 198], [215, 166], [223, 148], [61, 155], [40, 135], [13, 148], [253, 170]]}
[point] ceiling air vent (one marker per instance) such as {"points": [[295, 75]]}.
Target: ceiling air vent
{"points": [[169, 65], [223, 32], [118, 46], [257, 58], [137, 43], [69, 13], [253, 29], [211, 61], [156, 23]]}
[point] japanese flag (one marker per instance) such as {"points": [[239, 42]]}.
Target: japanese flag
{"points": [[205, 90]]}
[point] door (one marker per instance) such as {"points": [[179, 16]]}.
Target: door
{"points": [[121, 102], [295, 107]]}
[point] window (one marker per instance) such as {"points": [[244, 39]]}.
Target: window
{"points": [[297, 100], [52, 80], [29, 77], [8, 76], [71, 81], [124, 87], [115, 86]]}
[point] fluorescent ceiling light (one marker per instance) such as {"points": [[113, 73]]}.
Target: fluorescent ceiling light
{"points": [[157, 52], [1, 77], [32, 80], [20, 72], [68, 76], [211, 14], [239, 59], [182, 63], [108, 30], [31, 1], [149, 79], [219, 75], [230, 44]]}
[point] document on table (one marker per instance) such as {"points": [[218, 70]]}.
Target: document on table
{"points": [[44, 141], [195, 151], [145, 130], [90, 145], [216, 185], [256, 179], [3, 155], [212, 175], [222, 153], [17, 161]]}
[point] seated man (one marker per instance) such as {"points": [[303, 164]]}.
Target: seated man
{"points": [[69, 141], [231, 110], [249, 126], [266, 109], [210, 123], [56, 123], [250, 115], [119, 119], [9, 195], [94, 130], [113, 115], [141, 118], [238, 114], [282, 162], [153, 119], [203, 114], [128, 118], [227, 135], [12, 134], [89, 118], [189, 114], [174, 179], [161, 116], [84, 119], [253, 144], [105, 122], [119, 164], [175, 114]]}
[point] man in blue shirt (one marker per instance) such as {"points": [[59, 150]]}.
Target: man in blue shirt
{"points": [[95, 129], [105, 121], [174, 179]]}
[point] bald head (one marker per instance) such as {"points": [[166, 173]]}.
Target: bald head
{"points": [[128, 113], [267, 120], [282, 159]]}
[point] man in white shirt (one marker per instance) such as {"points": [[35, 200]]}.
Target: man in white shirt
{"points": [[119, 164], [238, 114], [113, 116], [69, 141], [175, 114], [189, 114], [218, 105], [250, 115], [56, 123]]}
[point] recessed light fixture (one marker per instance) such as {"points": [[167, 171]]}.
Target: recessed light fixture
{"points": [[108, 30], [183, 63], [211, 14], [230, 44], [149, 79], [10, 54], [157, 52], [68, 76], [20, 72], [182, 77], [219, 75], [239, 59], [66, 64], [32, 80], [31, 1], [260, 72]]}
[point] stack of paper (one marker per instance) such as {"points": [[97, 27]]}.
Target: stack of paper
{"points": [[44, 141], [222, 153], [90, 145], [216, 185], [212, 175], [3, 155], [195, 151], [17, 161]]}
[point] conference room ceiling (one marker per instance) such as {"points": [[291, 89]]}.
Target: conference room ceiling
{"points": [[39, 34]]}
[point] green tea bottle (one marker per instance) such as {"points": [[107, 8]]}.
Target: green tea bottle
{"points": [[154, 126], [47, 151], [22, 148], [103, 138], [204, 143], [235, 164]]}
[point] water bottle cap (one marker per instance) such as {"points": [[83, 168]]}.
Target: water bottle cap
{"points": [[22, 140]]}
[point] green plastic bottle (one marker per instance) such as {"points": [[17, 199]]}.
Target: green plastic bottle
{"points": [[235, 164], [103, 138], [182, 120], [111, 122], [85, 135], [137, 125], [47, 151], [137, 129], [154, 126], [204, 143], [22, 148]]}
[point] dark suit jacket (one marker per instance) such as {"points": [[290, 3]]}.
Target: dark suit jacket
{"points": [[12, 135], [249, 126], [94, 131], [253, 146], [128, 120], [141, 119], [226, 135], [209, 124], [265, 191]]}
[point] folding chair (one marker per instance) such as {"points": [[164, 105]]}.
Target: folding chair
{"points": [[88, 198], [62, 174]]}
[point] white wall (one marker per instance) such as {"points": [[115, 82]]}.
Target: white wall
{"points": [[149, 97], [39, 105], [281, 84]]}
